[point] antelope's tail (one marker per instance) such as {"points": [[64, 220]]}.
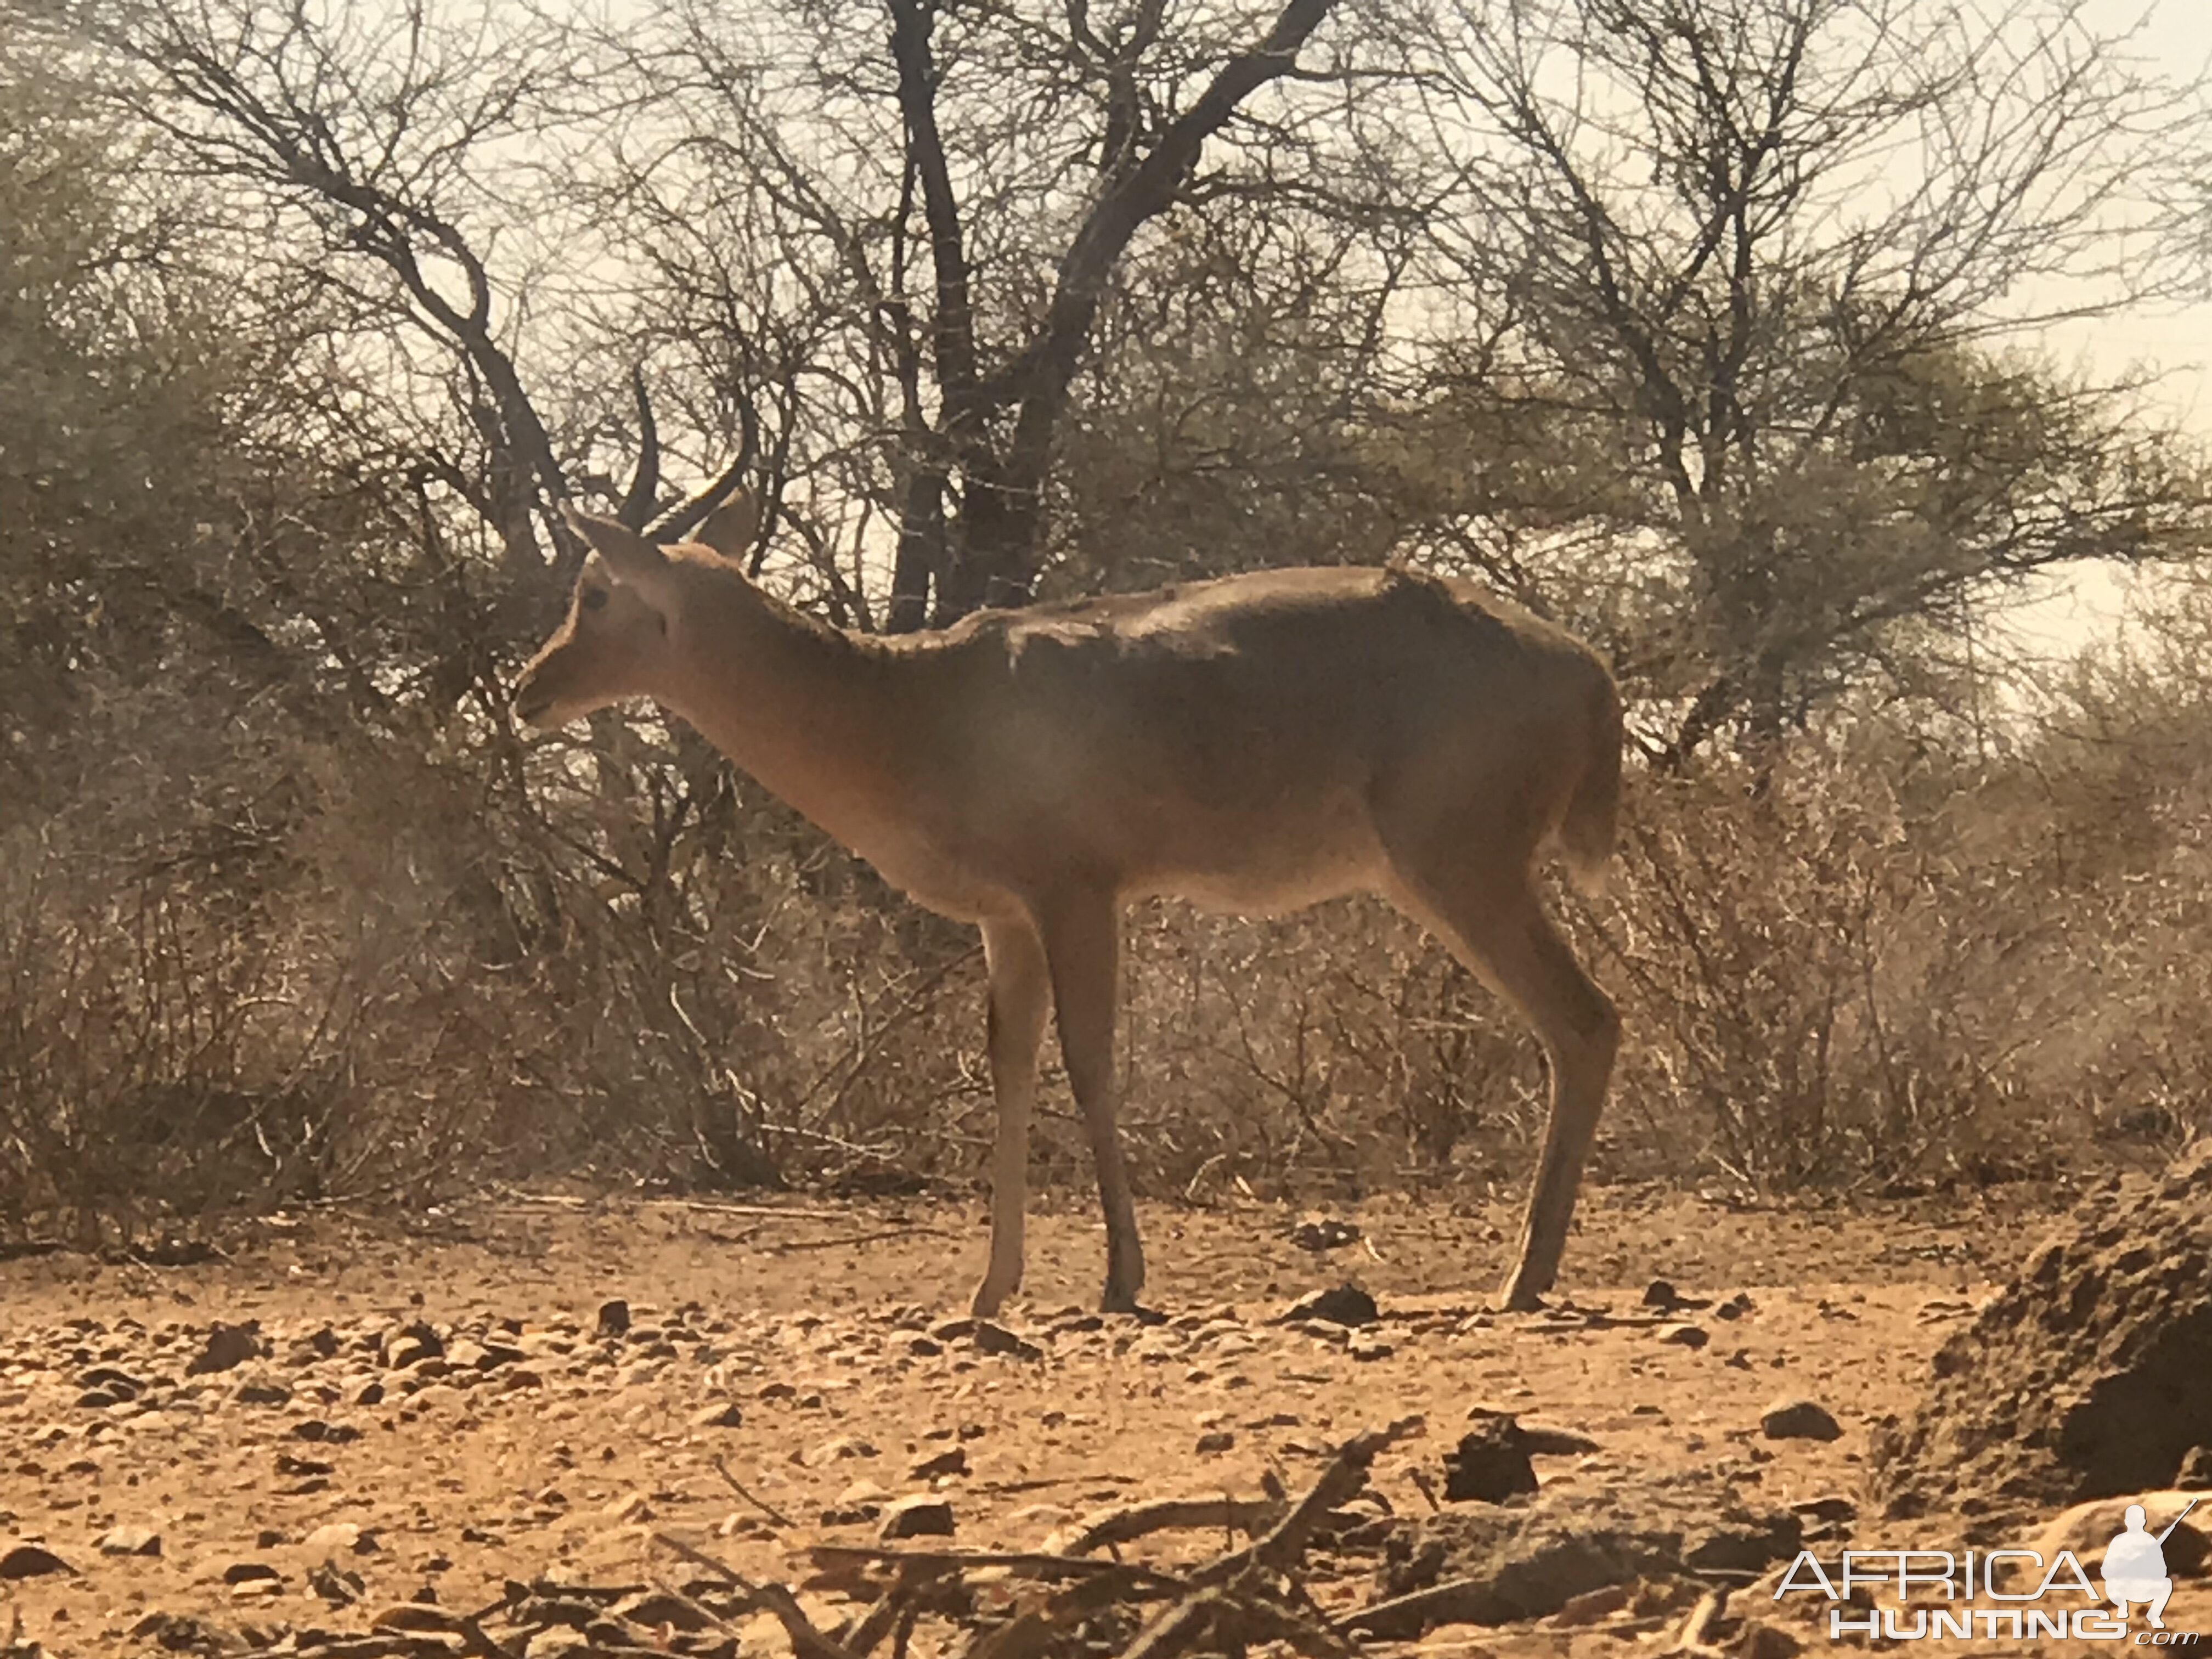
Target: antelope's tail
{"points": [[1592, 820]]}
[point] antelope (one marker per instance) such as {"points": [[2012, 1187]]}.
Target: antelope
{"points": [[1254, 744]]}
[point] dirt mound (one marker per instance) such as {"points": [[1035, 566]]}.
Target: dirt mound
{"points": [[2085, 1379]]}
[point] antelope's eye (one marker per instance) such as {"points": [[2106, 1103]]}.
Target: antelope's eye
{"points": [[593, 598]]}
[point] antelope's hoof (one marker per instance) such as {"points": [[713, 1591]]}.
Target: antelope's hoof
{"points": [[1522, 1295]]}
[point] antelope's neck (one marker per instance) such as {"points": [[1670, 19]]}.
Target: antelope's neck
{"points": [[810, 714]]}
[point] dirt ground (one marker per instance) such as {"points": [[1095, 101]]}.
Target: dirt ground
{"points": [[794, 1349]]}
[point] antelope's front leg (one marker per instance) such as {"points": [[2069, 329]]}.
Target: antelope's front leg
{"points": [[1021, 998]]}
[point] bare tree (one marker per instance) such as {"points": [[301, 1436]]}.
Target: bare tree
{"points": [[1748, 267], [955, 195]]}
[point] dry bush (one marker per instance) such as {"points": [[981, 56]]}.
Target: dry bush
{"points": [[295, 971], [1883, 969], [1337, 1051], [1809, 970]]}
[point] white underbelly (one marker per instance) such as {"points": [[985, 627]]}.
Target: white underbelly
{"points": [[1264, 880]]}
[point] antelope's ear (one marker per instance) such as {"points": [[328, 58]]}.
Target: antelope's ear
{"points": [[730, 528], [628, 554]]}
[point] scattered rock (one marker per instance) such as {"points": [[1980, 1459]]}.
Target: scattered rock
{"points": [[1318, 1234], [129, 1541], [339, 1538], [993, 1338], [954, 1462], [1591, 1606], [249, 1572], [614, 1318], [107, 1380], [1545, 1442], [417, 1618], [227, 1347], [32, 1561], [2195, 1472], [1759, 1640], [1799, 1419], [923, 1515], [1214, 1442], [1340, 1305], [412, 1345], [1661, 1295], [2084, 1378], [1829, 1510], [335, 1584], [1491, 1463], [1684, 1336], [725, 1414], [864, 1497]]}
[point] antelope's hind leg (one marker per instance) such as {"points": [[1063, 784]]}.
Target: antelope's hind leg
{"points": [[1494, 922], [1021, 999]]}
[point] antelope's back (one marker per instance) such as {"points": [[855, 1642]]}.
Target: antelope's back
{"points": [[1237, 732]]}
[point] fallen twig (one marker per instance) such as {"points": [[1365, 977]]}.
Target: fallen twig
{"points": [[1124, 1526], [894, 1605], [793, 1246], [1032, 1563], [1224, 1621], [1696, 1636], [1028, 1633], [699, 1558], [1045, 1483], [806, 1641], [1344, 1477], [776, 1516], [1407, 1615]]}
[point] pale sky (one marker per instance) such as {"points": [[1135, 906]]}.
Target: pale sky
{"points": [[2174, 39]]}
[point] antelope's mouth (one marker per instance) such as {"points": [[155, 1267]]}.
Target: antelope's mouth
{"points": [[531, 709]]}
